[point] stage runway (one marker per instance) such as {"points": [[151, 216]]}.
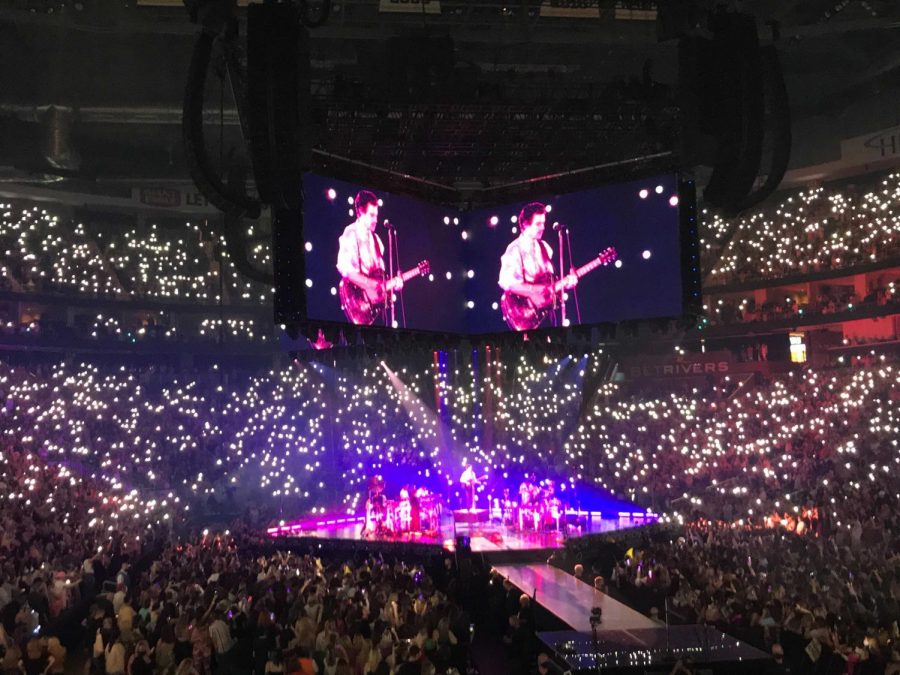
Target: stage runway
{"points": [[571, 600], [483, 537]]}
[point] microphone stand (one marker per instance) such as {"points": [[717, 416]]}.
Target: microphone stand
{"points": [[562, 270], [574, 290], [399, 271], [389, 296]]}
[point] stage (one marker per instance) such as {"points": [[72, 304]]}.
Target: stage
{"points": [[570, 599], [483, 537], [625, 641]]}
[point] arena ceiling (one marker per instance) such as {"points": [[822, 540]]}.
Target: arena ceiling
{"points": [[509, 94]]}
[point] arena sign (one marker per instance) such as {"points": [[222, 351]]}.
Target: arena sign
{"points": [[690, 365]]}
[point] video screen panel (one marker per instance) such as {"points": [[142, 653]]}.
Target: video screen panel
{"points": [[493, 269], [359, 241], [620, 249]]}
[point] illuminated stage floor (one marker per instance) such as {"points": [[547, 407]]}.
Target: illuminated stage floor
{"points": [[572, 600], [483, 537]]}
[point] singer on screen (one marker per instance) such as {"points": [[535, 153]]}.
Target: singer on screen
{"points": [[368, 286], [532, 291]]}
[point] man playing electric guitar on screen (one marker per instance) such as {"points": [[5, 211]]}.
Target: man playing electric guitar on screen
{"points": [[531, 290], [526, 268], [365, 288]]}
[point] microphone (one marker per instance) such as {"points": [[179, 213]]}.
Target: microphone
{"points": [[557, 226], [388, 224]]}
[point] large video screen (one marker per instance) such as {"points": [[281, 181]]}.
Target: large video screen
{"points": [[376, 258], [605, 254]]}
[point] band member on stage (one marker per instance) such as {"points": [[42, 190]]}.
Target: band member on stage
{"points": [[526, 268], [469, 480], [404, 511], [415, 513], [528, 491]]}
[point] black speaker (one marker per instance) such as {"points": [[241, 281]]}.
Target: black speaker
{"points": [[278, 101], [722, 100]]}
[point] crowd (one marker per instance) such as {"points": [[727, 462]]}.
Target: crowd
{"points": [[48, 253], [133, 598], [214, 607], [309, 435], [785, 532], [303, 436], [811, 230], [823, 600], [830, 300], [62, 542], [782, 495]]}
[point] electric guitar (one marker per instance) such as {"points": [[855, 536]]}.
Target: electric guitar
{"points": [[526, 311], [363, 304]]}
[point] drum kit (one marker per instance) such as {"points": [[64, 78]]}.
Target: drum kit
{"points": [[538, 508], [413, 511]]}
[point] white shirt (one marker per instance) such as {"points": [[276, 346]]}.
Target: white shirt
{"points": [[220, 635], [525, 259], [360, 252]]}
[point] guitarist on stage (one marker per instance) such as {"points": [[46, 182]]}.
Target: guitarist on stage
{"points": [[361, 252], [526, 268]]}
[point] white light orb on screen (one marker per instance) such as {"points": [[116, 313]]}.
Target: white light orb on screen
{"points": [[380, 203], [566, 323], [644, 193], [470, 273], [456, 221], [494, 220], [514, 219], [470, 304], [331, 194], [430, 277], [465, 235], [309, 283], [308, 246], [548, 208], [618, 264], [333, 290], [495, 306], [659, 189], [646, 255], [514, 230], [394, 324], [350, 211], [673, 200], [449, 276], [446, 220], [350, 201]]}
